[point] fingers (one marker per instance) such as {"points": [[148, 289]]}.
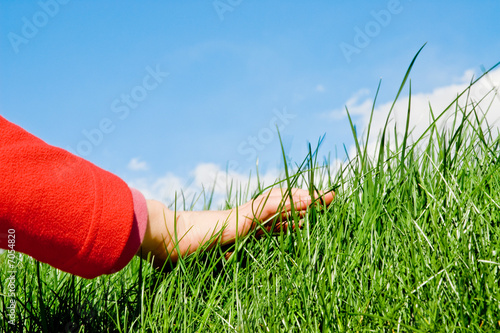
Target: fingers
{"points": [[276, 205], [273, 210], [275, 228], [301, 199], [277, 201]]}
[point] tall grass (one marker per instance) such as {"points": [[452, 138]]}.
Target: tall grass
{"points": [[411, 243]]}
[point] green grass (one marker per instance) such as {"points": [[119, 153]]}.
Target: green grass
{"points": [[411, 243]]}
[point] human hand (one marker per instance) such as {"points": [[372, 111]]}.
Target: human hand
{"points": [[168, 236]]}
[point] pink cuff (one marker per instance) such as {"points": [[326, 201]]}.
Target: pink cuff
{"points": [[137, 233]]}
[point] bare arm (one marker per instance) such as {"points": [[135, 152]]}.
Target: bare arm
{"points": [[192, 229]]}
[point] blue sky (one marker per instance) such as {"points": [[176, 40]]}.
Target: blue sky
{"points": [[155, 90]]}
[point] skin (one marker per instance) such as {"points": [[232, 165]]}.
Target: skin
{"points": [[197, 228]]}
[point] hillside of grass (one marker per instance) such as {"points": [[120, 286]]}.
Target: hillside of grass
{"points": [[411, 243]]}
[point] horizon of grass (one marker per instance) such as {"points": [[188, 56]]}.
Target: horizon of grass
{"points": [[410, 243]]}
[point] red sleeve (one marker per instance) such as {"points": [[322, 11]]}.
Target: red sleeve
{"points": [[65, 211]]}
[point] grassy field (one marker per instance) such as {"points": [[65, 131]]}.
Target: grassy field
{"points": [[411, 243]]}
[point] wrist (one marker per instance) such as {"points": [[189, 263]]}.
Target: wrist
{"points": [[152, 236]]}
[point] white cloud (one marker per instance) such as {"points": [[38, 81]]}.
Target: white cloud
{"points": [[439, 99], [204, 178], [320, 88], [136, 164], [208, 177], [357, 105]]}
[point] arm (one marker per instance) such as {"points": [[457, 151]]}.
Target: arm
{"points": [[79, 218]]}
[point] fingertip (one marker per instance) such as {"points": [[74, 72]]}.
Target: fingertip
{"points": [[330, 195]]}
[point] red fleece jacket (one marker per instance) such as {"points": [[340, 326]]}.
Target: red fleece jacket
{"points": [[65, 211]]}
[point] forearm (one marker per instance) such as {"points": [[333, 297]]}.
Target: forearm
{"points": [[172, 234]]}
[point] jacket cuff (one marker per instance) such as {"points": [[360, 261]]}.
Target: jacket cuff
{"points": [[137, 233]]}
